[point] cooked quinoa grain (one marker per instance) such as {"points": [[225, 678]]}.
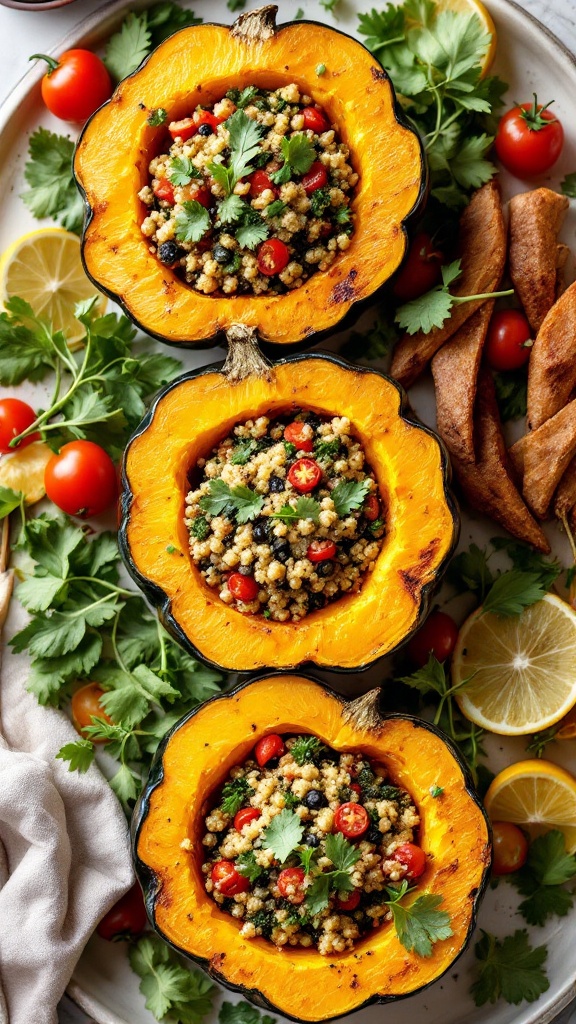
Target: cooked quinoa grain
{"points": [[252, 196], [304, 841], [286, 516]]}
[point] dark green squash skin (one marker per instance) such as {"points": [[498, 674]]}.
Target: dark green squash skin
{"points": [[158, 598], [151, 888], [356, 309]]}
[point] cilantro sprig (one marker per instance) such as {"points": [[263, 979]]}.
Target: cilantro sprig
{"points": [[509, 969], [240, 502], [541, 881], [349, 495], [420, 925], [283, 834], [434, 307], [52, 190], [305, 508], [142, 32], [244, 142], [299, 155], [183, 993]]}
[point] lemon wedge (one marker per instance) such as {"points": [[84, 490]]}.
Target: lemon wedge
{"points": [[23, 471], [538, 795]]}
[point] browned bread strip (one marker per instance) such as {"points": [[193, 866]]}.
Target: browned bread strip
{"points": [[455, 370], [565, 497], [487, 484], [541, 457], [552, 367], [535, 220], [482, 247]]}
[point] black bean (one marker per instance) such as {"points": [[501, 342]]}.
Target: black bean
{"points": [[325, 568], [169, 253], [311, 840], [205, 129], [374, 834], [316, 601], [314, 800], [314, 420], [280, 549], [260, 530], [221, 254], [276, 484]]}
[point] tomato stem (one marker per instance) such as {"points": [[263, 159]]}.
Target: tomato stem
{"points": [[533, 116], [53, 65]]}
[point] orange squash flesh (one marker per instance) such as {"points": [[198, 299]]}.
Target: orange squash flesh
{"points": [[410, 468], [198, 65], [301, 983]]}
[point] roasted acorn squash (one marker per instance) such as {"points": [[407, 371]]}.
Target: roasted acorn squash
{"points": [[302, 984], [200, 408], [198, 65]]}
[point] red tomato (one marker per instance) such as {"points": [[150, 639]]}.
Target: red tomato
{"points": [[183, 129], [506, 347], [437, 636], [351, 819], [356, 788], [321, 550], [290, 883], [246, 815], [295, 433], [412, 857], [273, 256], [269, 747], [315, 120], [243, 588], [421, 270], [305, 475], [316, 178], [227, 879], [81, 479], [85, 705], [371, 508], [196, 192], [261, 182], [529, 139], [510, 848], [351, 901], [126, 919], [205, 117], [164, 190], [75, 85], [15, 417]]}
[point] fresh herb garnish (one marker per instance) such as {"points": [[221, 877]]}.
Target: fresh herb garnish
{"points": [[243, 452], [349, 495], [248, 866], [245, 138], [241, 502], [513, 591], [243, 98], [157, 117], [191, 222], [140, 33], [48, 172], [436, 791], [283, 835], [509, 969], [305, 748], [511, 394], [375, 342], [181, 170], [420, 925], [250, 234], [320, 201], [9, 500], [568, 185], [299, 155], [542, 879], [186, 995], [343, 856], [469, 571], [275, 209], [327, 451], [234, 794], [200, 528], [243, 1013], [235, 5], [434, 307], [305, 508]]}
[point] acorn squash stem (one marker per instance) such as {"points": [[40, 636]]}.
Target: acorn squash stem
{"points": [[244, 358], [256, 26], [364, 712]]}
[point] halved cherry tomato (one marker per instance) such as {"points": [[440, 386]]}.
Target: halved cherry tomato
{"points": [[316, 178], [15, 417], [371, 508], [75, 85], [510, 848], [412, 857], [529, 139], [188, 126], [290, 883], [315, 120], [273, 257], [305, 475], [243, 588], [164, 190], [508, 333], [437, 636], [227, 879], [421, 270], [351, 819], [85, 705], [296, 433], [261, 182], [81, 479], [321, 550], [126, 919], [269, 747], [194, 191], [246, 815], [356, 788], [351, 901], [206, 117]]}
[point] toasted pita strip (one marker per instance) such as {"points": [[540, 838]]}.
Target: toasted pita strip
{"points": [[562, 255], [542, 457], [565, 497], [535, 220], [552, 366], [455, 370], [487, 484], [482, 247]]}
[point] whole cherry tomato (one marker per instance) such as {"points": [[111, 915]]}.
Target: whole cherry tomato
{"points": [[529, 139], [273, 257], [126, 919], [75, 85], [437, 636], [351, 819], [269, 747], [243, 588], [297, 433], [261, 182], [510, 848], [164, 190], [81, 479], [315, 120], [245, 816], [371, 508], [305, 475], [412, 857], [227, 879], [290, 883], [85, 705], [321, 550], [421, 270], [316, 178], [350, 902], [15, 417], [506, 344]]}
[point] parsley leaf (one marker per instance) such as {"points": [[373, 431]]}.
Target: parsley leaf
{"points": [[244, 98], [510, 969], [200, 528], [513, 591], [241, 501], [320, 201], [48, 172], [421, 925], [526, 559], [168, 986], [192, 222], [283, 835], [248, 866], [181, 170], [299, 155], [128, 47], [308, 856], [245, 138], [242, 1013], [433, 308], [511, 394], [305, 508], [250, 235], [318, 894], [79, 755], [305, 748], [231, 209], [568, 185], [234, 795], [541, 879], [9, 500], [469, 571], [374, 343], [349, 495]]}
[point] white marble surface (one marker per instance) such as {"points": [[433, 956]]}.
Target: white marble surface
{"points": [[26, 32]]}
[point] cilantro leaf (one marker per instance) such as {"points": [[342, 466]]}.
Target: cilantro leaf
{"points": [[526, 559], [181, 170], [128, 47], [299, 155], [542, 901], [169, 986], [240, 501], [549, 861], [429, 679], [245, 140], [327, 451], [250, 235], [308, 856], [243, 451], [468, 165], [48, 172], [568, 185], [426, 312], [305, 508], [275, 209], [242, 1013], [79, 755], [421, 925], [231, 209], [234, 795], [247, 865], [318, 894], [342, 853], [512, 592], [510, 969], [349, 495], [192, 221], [167, 17], [541, 879], [242, 98], [511, 394], [283, 835], [9, 500], [469, 571]]}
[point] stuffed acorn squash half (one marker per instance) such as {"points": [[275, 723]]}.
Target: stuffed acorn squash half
{"points": [[184, 796]]}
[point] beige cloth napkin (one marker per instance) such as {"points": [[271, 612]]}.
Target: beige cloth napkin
{"points": [[64, 852]]}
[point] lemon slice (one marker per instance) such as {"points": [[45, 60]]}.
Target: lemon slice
{"points": [[538, 795], [23, 471], [474, 7], [44, 268], [523, 667]]}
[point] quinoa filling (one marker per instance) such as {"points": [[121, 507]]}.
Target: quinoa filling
{"points": [[286, 516], [304, 842], [253, 194]]}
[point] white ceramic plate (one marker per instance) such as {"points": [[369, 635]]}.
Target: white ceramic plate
{"points": [[530, 59]]}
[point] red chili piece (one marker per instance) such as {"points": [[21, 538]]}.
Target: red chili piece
{"points": [[321, 550], [244, 816], [164, 190], [269, 747], [227, 879], [305, 475], [315, 120], [351, 901], [295, 433], [316, 178], [261, 182], [352, 820], [243, 588], [273, 256], [290, 883], [371, 508], [412, 857]]}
